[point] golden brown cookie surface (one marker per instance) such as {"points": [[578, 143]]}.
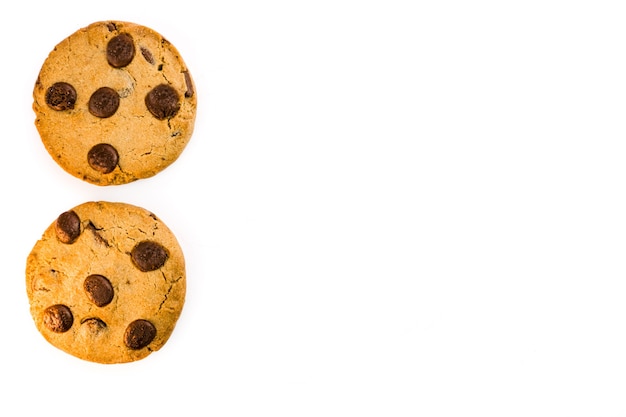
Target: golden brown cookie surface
{"points": [[114, 103], [106, 282]]}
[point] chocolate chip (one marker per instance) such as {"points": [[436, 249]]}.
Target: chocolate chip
{"points": [[104, 102], [189, 92], [120, 50], [67, 227], [139, 334], [163, 101], [94, 325], [61, 96], [103, 158], [58, 318], [149, 255], [98, 289], [147, 55], [97, 235]]}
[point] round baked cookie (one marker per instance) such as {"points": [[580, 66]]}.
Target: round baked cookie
{"points": [[106, 282], [114, 103]]}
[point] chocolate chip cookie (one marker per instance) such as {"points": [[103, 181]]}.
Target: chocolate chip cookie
{"points": [[106, 282], [114, 103]]}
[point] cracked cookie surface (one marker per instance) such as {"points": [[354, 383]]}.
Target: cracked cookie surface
{"points": [[106, 282], [114, 103]]}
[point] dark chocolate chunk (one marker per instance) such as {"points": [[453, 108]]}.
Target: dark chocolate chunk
{"points": [[103, 158], [120, 50], [58, 318], [189, 92], [147, 55], [98, 289], [104, 102], [67, 227], [163, 101], [149, 255], [61, 96], [139, 334], [97, 235]]}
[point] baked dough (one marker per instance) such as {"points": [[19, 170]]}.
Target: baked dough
{"points": [[114, 103], [106, 282]]}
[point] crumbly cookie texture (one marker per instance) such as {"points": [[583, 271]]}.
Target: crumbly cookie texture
{"points": [[106, 282], [114, 103]]}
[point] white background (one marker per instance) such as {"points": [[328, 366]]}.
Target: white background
{"points": [[388, 208]]}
